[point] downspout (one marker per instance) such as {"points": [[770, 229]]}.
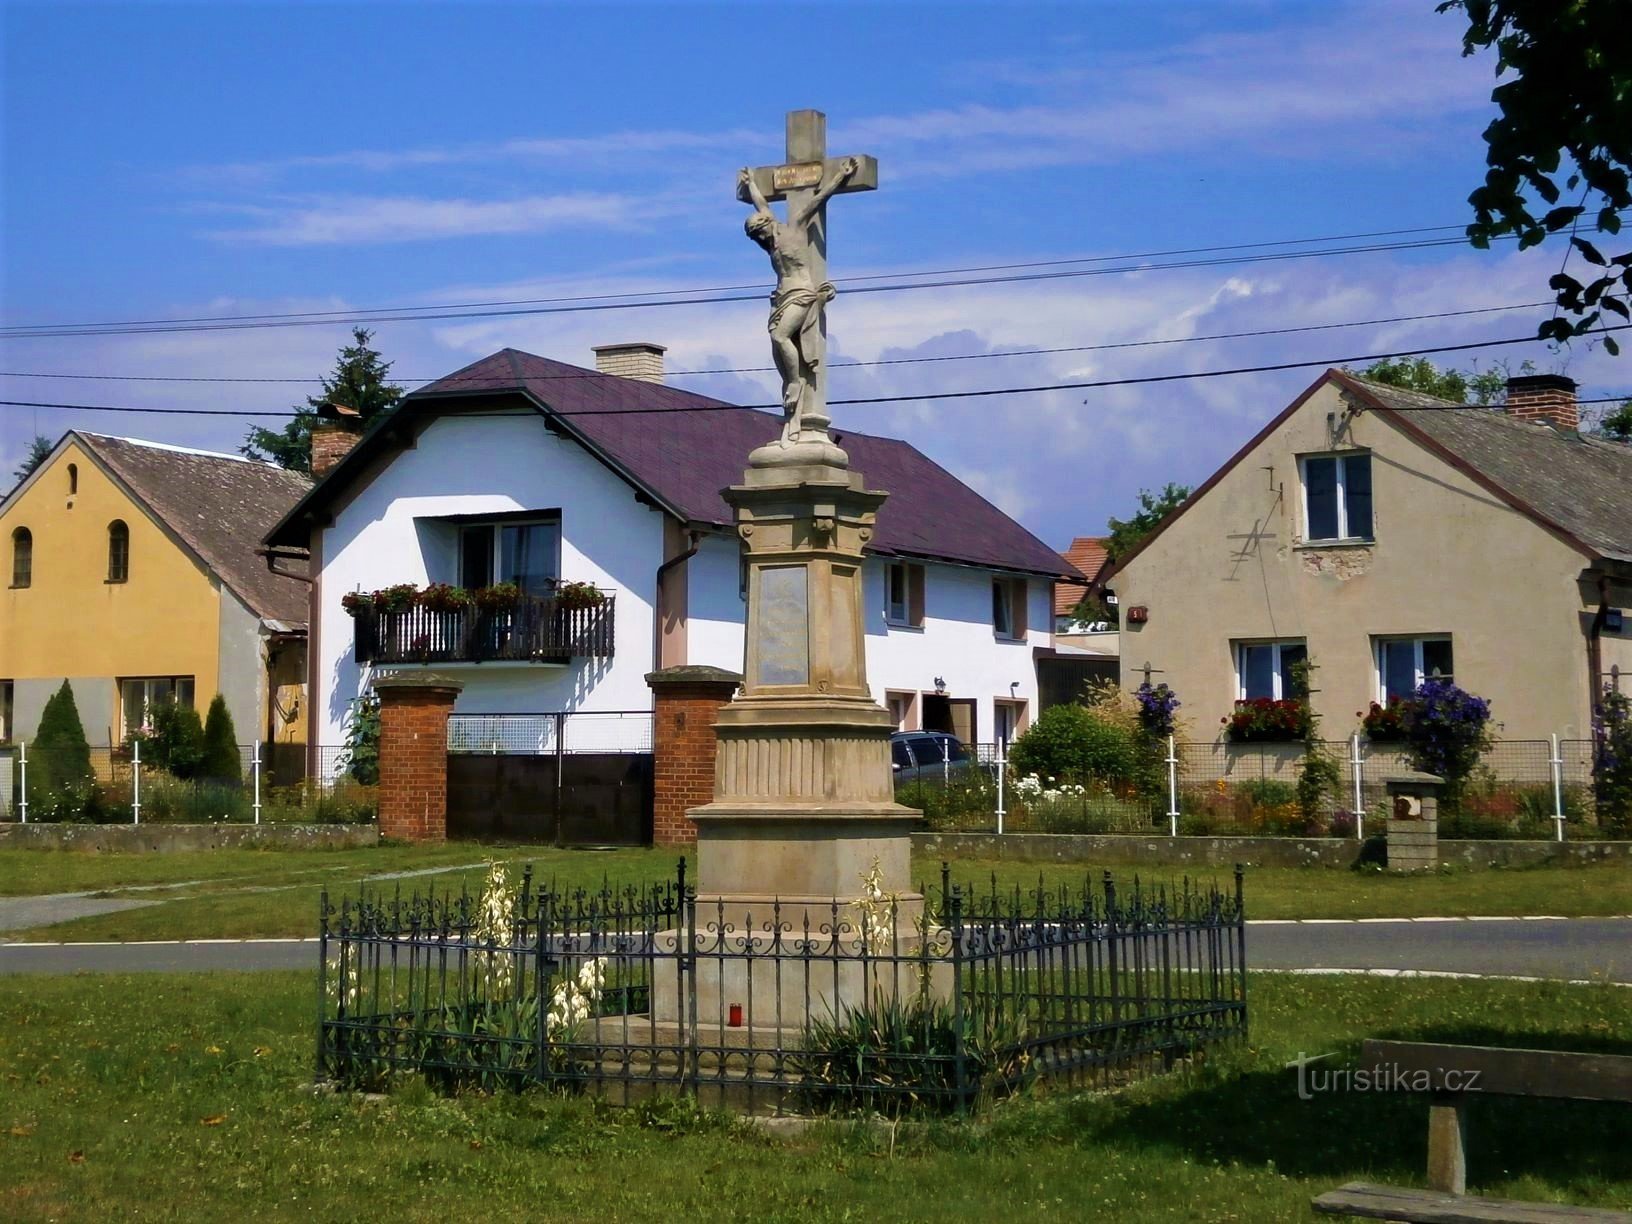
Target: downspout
{"points": [[657, 602]]}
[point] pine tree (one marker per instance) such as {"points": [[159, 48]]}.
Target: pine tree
{"points": [[59, 757], [221, 761], [358, 382], [39, 451]]}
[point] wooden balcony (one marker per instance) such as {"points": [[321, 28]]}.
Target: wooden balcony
{"points": [[534, 631]]}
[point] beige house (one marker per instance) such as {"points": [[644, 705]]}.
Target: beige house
{"points": [[1387, 535]]}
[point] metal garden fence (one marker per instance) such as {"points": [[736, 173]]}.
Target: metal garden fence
{"points": [[901, 1004], [1520, 788], [115, 785]]}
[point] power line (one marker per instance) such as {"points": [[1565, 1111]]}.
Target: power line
{"points": [[339, 315], [432, 315], [889, 361], [892, 399]]}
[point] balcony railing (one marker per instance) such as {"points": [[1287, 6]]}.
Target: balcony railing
{"points": [[534, 631]]}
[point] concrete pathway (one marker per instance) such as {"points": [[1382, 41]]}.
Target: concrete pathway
{"points": [[20, 913], [1568, 949]]}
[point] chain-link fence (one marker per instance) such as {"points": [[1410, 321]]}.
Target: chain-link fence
{"points": [[114, 785], [1518, 789]]}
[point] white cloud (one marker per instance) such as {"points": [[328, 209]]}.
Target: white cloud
{"points": [[357, 219]]}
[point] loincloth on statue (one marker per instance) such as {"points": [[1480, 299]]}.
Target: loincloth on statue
{"points": [[784, 300]]}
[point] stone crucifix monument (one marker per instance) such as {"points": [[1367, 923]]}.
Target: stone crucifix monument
{"points": [[803, 791]]}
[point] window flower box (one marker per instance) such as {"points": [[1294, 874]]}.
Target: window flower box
{"points": [[1264, 720]]}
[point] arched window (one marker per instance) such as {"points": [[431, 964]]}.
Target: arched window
{"points": [[118, 551], [22, 557], [73, 479]]}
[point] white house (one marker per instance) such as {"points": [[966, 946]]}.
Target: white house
{"points": [[518, 469]]}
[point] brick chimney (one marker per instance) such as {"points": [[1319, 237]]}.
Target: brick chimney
{"points": [[1547, 399], [336, 432], [639, 360]]}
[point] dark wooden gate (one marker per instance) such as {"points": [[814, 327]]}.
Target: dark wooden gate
{"points": [[571, 799]]}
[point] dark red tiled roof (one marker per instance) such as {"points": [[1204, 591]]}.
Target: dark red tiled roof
{"points": [[683, 448]]}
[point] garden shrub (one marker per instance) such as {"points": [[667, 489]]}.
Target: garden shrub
{"points": [[1446, 730], [1079, 744], [174, 740], [59, 759], [1612, 764], [361, 758], [219, 760]]}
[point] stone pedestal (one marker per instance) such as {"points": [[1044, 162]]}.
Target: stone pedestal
{"points": [[1413, 822], [414, 709]]}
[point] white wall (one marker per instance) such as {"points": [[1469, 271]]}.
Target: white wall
{"points": [[492, 466]]}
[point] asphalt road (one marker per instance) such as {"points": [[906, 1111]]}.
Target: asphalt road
{"points": [[1594, 949]]}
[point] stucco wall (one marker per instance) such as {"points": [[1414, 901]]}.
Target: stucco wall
{"points": [[241, 670], [71, 622], [1449, 558], [494, 466]]}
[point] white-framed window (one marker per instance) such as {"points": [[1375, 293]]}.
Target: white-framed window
{"points": [[904, 594], [900, 706], [1008, 719], [1009, 607], [1403, 663], [6, 715], [138, 695], [525, 553], [1264, 669], [1336, 496]]}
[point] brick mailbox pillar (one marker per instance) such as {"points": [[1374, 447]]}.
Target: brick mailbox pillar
{"points": [[1413, 821], [685, 703], [414, 711]]}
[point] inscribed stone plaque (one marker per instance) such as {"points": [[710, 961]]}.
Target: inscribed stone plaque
{"points": [[804, 174], [784, 626]]}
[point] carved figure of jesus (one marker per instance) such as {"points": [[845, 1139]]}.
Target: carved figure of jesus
{"points": [[797, 304]]}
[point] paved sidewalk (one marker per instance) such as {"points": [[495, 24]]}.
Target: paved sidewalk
{"points": [[20, 913], [1567, 949]]}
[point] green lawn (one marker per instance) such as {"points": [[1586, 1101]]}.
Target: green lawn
{"points": [[247, 893], [186, 1096]]}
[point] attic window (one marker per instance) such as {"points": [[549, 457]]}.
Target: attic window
{"points": [[22, 557], [1336, 497], [73, 479], [118, 551]]}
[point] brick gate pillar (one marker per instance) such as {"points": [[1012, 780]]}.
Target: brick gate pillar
{"points": [[414, 711], [685, 702]]}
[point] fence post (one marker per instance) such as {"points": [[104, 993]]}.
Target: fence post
{"points": [[946, 764], [22, 779], [1359, 792], [1557, 762], [136, 780], [255, 772], [1002, 769], [1172, 789]]}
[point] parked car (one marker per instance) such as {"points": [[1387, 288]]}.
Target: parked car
{"points": [[928, 755]]}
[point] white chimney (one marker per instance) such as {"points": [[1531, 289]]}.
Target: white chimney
{"points": [[638, 360]]}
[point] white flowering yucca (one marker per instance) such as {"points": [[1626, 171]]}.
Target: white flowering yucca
{"points": [[876, 908], [495, 926], [574, 999]]}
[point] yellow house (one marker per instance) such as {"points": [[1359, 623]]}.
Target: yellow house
{"points": [[130, 570]]}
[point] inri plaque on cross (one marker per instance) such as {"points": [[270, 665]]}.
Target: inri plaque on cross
{"points": [[798, 251]]}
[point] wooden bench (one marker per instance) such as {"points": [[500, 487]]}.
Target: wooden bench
{"points": [[1453, 1075]]}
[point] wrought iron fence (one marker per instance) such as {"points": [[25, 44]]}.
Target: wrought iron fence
{"points": [[119, 785], [1519, 789], [538, 630], [906, 1003]]}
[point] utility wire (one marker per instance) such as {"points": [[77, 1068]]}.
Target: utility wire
{"points": [[380, 310], [121, 329], [886, 399], [835, 365]]}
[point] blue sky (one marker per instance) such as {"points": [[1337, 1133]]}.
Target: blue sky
{"points": [[211, 159]]}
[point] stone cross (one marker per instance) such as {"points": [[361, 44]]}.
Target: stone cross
{"points": [[798, 250]]}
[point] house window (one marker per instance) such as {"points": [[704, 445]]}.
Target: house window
{"points": [[527, 554], [1404, 663], [901, 706], [1009, 607], [1264, 669], [1008, 719], [22, 557], [118, 551], [73, 479], [6, 725], [1336, 496], [904, 594], [140, 695]]}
